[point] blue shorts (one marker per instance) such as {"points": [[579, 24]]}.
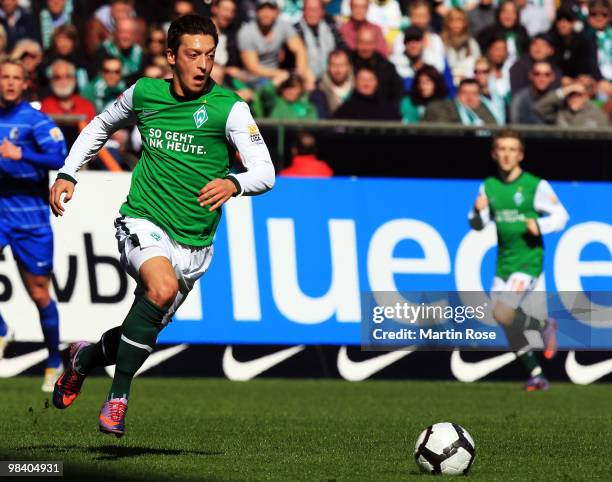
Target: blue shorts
{"points": [[32, 248]]}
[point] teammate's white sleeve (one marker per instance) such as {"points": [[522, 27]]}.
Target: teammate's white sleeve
{"points": [[243, 133], [479, 219], [546, 202], [91, 139]]}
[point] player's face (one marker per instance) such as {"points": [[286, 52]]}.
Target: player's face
{"points": [[192, 63], [508, 153], [12, 83]]}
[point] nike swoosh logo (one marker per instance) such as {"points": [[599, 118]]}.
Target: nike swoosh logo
{"points": [[154, 359], [243, 371], [585, 374], [471, 371], [9, 367], [147, 113], [356, 371]]}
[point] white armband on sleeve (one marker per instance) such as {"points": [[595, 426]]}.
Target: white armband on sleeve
{"points": [[243, 133], [546, 202], [91, 139]]}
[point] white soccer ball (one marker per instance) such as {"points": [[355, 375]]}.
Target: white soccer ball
{"points": [[445, 448]]}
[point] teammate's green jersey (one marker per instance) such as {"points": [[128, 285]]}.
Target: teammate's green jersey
{"points": [[510, 204], [184, 148]]}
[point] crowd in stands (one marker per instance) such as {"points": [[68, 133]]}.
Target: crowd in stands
{"points": [[471, 62]]}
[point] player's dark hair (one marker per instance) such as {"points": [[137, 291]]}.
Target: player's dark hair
{"points": [[191, 24], [508, 134]]}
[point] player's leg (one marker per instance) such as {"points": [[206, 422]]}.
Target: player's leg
{"points": [[37, 287], [138, 337], [508, 297]]}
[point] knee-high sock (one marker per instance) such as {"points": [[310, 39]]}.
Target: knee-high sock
{"points": [[138, 336], [49, 322], [520, 345], [103, 353], [522, 321], [3, 327]]}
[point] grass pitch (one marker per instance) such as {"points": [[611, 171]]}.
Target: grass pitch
{"points": [[204, 429]]}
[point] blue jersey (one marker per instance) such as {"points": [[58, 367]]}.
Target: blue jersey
{"points": [[24, 184]]}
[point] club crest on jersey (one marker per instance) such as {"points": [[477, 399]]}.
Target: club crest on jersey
{"points": [[200, 116], [518, 198], [14, 134]]}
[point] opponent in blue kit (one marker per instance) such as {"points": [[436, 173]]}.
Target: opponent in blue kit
{"points": [[31, 145]]}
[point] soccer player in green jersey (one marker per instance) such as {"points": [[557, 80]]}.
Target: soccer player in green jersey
{"points": [[190, 127], [524, 208]]}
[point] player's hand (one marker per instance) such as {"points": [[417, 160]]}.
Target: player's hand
{"points": [[216, 193], [60, 186], [10, 150], [481, 203], [532, 227]]}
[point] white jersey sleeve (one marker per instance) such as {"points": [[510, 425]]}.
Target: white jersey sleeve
{"points": [[91, 139], [546, 202], [243, 133], [479, 219]]}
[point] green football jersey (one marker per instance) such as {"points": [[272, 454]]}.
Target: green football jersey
{"points": [[511, 204], [184, 147]]}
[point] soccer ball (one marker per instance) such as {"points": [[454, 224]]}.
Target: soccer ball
{"points": [[445, 448]]}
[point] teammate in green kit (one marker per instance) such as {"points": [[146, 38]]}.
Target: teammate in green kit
{"points": [[523, 207], [190, 127]]}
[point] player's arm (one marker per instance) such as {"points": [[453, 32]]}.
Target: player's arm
{"points": [[554, 215], [91, 139], [480, 214], [242, 132]]}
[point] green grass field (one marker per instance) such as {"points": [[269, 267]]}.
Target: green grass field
{"points": [[204, 429]]}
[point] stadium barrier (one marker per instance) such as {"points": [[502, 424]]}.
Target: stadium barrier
{"points": [[290, 267]]}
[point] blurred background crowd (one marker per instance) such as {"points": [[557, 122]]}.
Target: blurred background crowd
{"points": [[470, 62]]}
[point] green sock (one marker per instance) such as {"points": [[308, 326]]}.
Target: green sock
{"points": [[138, 336], [522, 321], [103, 353], [530, 362]]}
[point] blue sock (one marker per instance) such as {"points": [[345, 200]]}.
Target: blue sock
{"points": [[3, 327], [49, 322]]}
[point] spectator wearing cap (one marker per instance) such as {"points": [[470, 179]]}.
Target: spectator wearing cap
{"points": [[319, 34], [414, 57], [428, 86], [123, 46], [17, 22], [260, 42], [305, 162], [574, 52], [507, 25], [541, 81], [366, 101], [461, 48], [358, 19], [540, 50], [390, 84], [336, 85], [570, 106], [467, 108], [433, 47]]}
